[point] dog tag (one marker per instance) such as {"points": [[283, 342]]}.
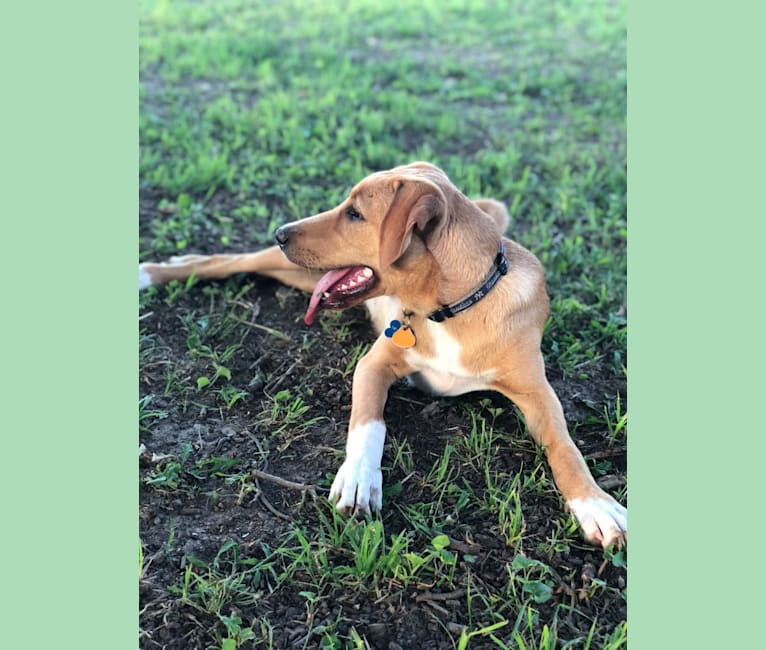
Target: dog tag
{"points": [[404, 337], [393, 326]]}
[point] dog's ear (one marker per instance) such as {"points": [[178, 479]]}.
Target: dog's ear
{"points": [[417, 204]]}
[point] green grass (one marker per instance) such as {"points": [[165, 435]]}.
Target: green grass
{"points": [[254, 114], [257, 113], [358, 555]]}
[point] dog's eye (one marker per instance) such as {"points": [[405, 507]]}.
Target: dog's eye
{"points": [[353, 215]]}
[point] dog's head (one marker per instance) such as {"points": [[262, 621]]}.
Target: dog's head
{"points": [[388, 218]]}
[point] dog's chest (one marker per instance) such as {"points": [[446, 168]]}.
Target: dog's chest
{"points": [[442, 372]]}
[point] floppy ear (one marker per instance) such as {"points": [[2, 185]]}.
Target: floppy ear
{"points": [[417, 204]]}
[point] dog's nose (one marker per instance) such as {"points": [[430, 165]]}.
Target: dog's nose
{"points": [[281, 236]]}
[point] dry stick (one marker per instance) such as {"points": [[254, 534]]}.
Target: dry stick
{"points": [[254, 438], [272, 509], [606, 453], [270, 330], [249, 323], [257, 362], [274, 332], [270, 477], [428, 596], [438, 608], [285, 483], [247, 305], [611, 481], [281, 379], [161, 362], [463, 547]]}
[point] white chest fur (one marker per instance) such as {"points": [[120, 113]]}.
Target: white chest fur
{"points": [[443, 373]]}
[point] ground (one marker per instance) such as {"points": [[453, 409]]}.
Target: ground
{"points": [[254, 116], [202, 497]]}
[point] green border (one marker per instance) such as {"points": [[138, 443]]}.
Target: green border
{"points": [[696, 143], [70, 158], [696, 220]]}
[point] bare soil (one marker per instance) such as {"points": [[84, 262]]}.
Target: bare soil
{"points": [[195, 521]]}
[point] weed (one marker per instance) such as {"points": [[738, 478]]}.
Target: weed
{"points": [[179, 472], [176, 289], [225, 582], [466, 636], [530, 575], [169, 474], [356, 353], [236, 635], [616, 421], [402, 456], [145, 413], [286, 412]]}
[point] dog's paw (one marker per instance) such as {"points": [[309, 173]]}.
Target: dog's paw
{"points": [[358, 488], [602, 520], [144, 278]]}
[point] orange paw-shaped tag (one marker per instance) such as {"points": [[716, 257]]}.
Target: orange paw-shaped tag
{"points": [[404, 337]]}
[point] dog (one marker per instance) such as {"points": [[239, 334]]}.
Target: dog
{"points": [[457, 307]]}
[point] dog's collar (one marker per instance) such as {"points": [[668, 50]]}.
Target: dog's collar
{"points": [[448, 311]]}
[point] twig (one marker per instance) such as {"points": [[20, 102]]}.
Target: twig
{"points": [[611, 481], [257, 362], [607, 453], [463, 547], [246, 305], [438, 608], [272, 509], [428, 596], [264, 455], [284, 482], [258, 326], [270, 389]]}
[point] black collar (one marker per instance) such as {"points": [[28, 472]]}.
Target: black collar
{"points": [[448, 311]]}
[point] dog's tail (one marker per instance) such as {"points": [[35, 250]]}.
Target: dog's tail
{"points": [[497, 211]]}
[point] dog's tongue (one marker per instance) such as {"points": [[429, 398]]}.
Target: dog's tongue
{"points": [[325, 282]]}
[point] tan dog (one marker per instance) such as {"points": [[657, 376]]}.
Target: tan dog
{"points": [[408, 243]]}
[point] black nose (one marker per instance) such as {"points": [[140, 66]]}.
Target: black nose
{"points": [[281, 236]]}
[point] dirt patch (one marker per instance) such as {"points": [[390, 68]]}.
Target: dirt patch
{"points": [[193, 519]]}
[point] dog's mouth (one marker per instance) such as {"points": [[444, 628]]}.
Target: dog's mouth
{"points": [[340, 288]]}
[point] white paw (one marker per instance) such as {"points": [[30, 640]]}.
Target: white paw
{"points": [[602, 520], [358, 487], [144, 279]]}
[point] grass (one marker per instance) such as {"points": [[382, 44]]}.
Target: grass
{"points": [[250, 119], [350, 553], [255, 114]]}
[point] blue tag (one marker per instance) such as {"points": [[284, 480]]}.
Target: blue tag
{"points": [[392, 327]]}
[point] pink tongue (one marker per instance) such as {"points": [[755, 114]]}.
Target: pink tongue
{"points": [[325, 282]]}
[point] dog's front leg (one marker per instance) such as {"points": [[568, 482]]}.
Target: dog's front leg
{"points": [[358, 485], [270, 262], [602, 519]]}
